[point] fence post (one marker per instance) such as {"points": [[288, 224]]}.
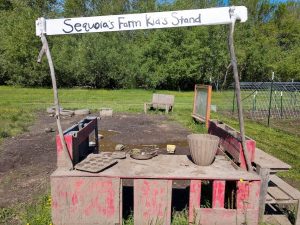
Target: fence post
{"points": [[233, 102], [254, 101], [270, 102], [281, 112]]}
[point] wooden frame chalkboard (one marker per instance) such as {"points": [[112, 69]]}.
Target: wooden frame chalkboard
{"points": [[202, 101]]}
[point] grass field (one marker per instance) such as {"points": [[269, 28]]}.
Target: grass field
{"points": [[19, 105]]}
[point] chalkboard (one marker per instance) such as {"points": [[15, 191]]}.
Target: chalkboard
{"points": [[202, 100]]}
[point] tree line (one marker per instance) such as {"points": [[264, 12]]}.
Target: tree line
{"points": [[173, 58]]}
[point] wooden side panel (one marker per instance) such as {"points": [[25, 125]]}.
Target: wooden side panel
{"points": [[218, 194], [207, 216], [195, 197], [152, 201], [229, 140], [85, 200], [250, 144]]}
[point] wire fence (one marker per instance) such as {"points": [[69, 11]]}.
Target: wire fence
{"points": [[271, 100]]}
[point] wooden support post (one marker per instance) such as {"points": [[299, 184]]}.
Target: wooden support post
{"points": [[167, 109], [237, 89], [195, 197], [67, 162], [264, 173], [218, 194], [297, 221]]}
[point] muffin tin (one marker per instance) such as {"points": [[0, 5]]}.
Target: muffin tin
{"points": [[96, 163]]}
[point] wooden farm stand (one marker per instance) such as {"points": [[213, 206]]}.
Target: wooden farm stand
{"points": [[96, 198], [87, 198]]}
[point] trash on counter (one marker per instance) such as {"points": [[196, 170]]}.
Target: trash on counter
{"points": [[171, 149], [119, 147], [142, 155]]}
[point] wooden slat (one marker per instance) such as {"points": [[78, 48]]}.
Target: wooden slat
{"points": [[247, 196], [288, 189], [207, 216], [242, 194], [264, 160], [85, 200], [276, 220], [218, 194], [254, 191], [152, 201], [195, 197], [277, 194], [270, 199]]}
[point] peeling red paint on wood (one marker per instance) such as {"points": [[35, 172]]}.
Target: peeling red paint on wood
{"points": [[231, 143], [254, 192], [218, 194], [242, 194], [195, 197], [248, 194], [85, 200], [152, 201]]}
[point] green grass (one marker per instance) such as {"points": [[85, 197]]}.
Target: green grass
{"points": [[18, 107]]}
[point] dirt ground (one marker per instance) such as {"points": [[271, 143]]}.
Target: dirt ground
{"points": [[26, 161]]}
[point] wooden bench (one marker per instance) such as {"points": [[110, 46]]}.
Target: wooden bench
{"points": [[160, 101]]}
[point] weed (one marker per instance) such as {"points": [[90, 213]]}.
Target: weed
{"points": [[39, 212], [7, 215], [4, 134]]}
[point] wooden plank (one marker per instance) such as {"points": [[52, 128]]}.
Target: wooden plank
{"points": [[85, 200], [270, 199], [278, 194], [254, 192], [247, 196], [264, 173], [230, 141], [277, 220], [207, 216], [169, 167], [242, 194], [61, 159], [195, 197], [288, 189], [218, 194], [152, 201], [264, 160]]}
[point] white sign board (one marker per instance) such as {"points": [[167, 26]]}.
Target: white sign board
{"points": [[183, 18]]}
